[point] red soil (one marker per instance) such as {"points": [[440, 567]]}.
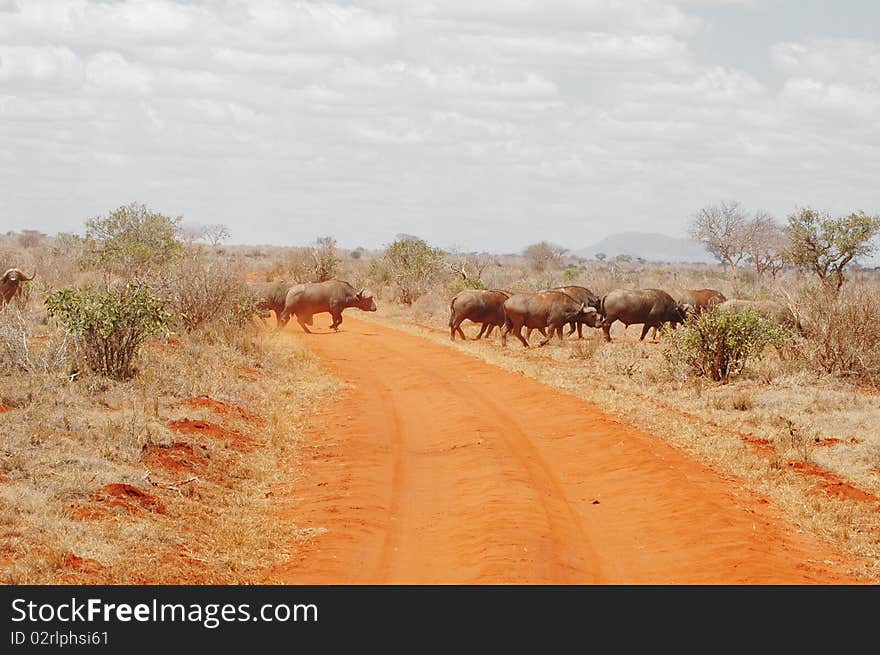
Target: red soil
{"points": [[225, 409], [435, 467], [237, 440], [80, 564], [4, 408], [833, 485], [118, 496], [179, 457]]}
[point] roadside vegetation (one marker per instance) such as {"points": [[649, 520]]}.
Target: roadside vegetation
{"points": [[147, 413], [146, 418]]}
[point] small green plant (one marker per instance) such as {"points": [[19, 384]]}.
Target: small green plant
{"points": [[109, 328], [469, 283], [718, 345]]}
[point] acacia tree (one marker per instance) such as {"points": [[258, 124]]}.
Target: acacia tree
{"points": [[412, 264], [544, 255], [766, 244], [827, 245], [132, 241], [722, 229]]}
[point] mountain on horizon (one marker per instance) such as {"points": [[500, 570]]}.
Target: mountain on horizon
{"points": [[650, 247]]}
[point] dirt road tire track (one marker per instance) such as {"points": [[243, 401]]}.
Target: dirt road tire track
{"points": [[435, 467]]}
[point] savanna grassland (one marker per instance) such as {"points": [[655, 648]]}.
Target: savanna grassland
{"points": [[165, 474]]}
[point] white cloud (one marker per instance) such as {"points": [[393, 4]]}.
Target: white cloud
{"points": [[370, 118]]}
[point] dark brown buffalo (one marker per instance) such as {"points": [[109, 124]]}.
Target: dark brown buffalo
{"points": [[333, 296], [651, 307], [696, 300], [272, 298], [542, 310], [479, 306], [10, 284], [584, 295]]}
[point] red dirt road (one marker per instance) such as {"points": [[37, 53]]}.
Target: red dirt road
{"points": [[435, 467]]}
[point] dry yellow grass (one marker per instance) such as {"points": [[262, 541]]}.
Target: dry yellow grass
{"points": [[804, 417], [62, 441]]}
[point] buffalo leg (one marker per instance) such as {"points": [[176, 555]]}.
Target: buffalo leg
{"points": [[518, 333], [606, 329], [454, 327], [302, 323], [482, 330], [645, 329], [337, 321]]}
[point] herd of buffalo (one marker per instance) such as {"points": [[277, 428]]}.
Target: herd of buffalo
{"points": [[545, 311]]}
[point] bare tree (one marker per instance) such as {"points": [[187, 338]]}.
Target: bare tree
{"points": [[722, 229], [767, 243], [544, 255], [215, 234], [469, 266], [325, 259]]}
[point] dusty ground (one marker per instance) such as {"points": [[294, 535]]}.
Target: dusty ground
{"points": [[435, 467]]}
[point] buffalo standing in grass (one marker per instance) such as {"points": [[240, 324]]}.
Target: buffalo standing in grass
{"points": [[333, 296], [546, 309], [651, 307], [699, 300], [10, 283], [486, 307]]}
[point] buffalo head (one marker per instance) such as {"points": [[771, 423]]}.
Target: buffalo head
{"points": [[589, 315], [685, 311], [365, 301], [10, 281]]}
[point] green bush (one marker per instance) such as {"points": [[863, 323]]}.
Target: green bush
{"points": [[109, 328], [412, 265], [132, 241], [461, 285], [718, 345]]}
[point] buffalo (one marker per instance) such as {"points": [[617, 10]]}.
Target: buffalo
{"points": [[333, 296], [651, 307], [486, 307], [584, 295], [546, 309], [272, 298], [699, 300], [10, 283]]}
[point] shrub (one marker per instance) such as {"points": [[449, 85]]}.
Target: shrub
{"points": [[200, 290], [413, 265], [844, 333], [16, 352], [469, 283], [132, 241], [718, 345], [109, 328]]}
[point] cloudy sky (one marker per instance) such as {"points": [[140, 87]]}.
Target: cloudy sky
{"points": [[481, 124]]}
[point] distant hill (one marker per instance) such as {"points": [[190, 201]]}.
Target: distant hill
{"points": [[648, 246]]}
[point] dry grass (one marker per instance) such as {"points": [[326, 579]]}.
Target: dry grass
{"points": [[62, 441], [803, 417]]}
